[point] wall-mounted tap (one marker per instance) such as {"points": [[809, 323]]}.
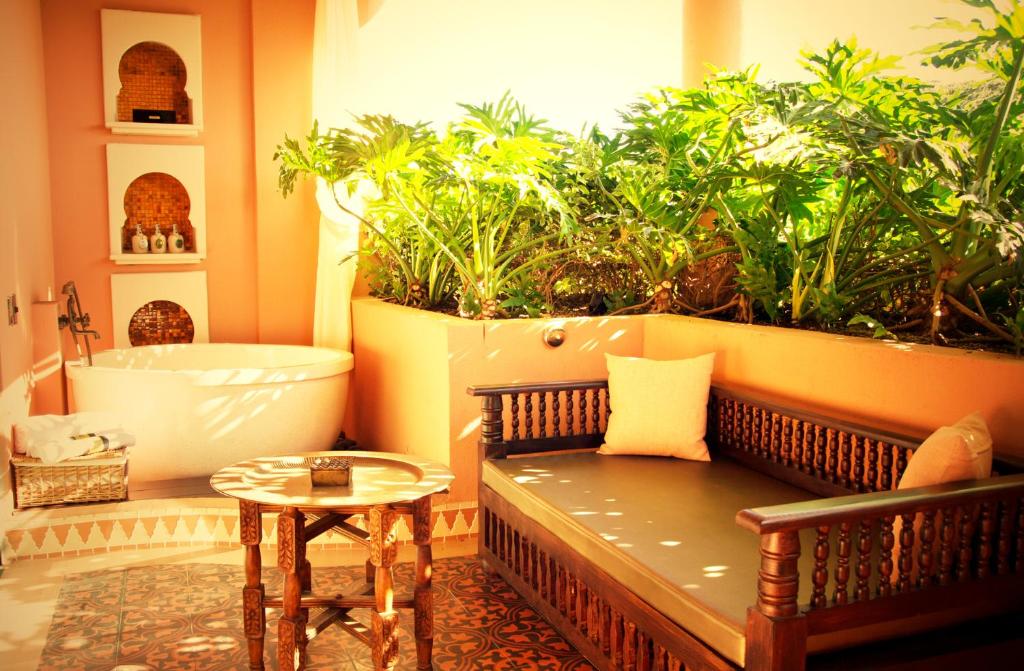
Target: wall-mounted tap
{"points": [[77, 321]]}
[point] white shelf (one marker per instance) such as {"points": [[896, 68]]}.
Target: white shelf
{"points": [[166, 259], [165, 129]]}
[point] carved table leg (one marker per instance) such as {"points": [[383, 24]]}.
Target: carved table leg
{"points": [[383, 619], [253, 614], [291, 559], [424, 603]]}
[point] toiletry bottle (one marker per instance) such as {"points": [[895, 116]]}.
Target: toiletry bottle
{"points": [[157, 242], [140, 243], [175, 241]]}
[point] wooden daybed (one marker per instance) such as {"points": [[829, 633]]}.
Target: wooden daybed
{"points": [[653, 563]]}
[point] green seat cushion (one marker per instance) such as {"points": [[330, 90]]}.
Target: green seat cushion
{"points": [[662, 527]]}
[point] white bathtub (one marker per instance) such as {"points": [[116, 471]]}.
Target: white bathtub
{"points": [[199, 407]]}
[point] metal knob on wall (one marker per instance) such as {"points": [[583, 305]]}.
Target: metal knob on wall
{"points": [[554, 336]]}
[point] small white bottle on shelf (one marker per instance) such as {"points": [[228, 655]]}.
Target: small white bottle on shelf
{"points": [[157, 242], [175, 241], [140, 243]]}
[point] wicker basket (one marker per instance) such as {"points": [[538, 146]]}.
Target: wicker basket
{"points": [[96, 477]]}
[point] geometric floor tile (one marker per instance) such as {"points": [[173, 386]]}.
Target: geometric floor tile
{"points": [[187, 617]]}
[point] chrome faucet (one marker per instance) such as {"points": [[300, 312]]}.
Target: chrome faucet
{"points": [[77, 321]]}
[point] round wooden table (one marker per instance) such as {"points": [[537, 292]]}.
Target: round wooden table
{"points": [[383, 487]]}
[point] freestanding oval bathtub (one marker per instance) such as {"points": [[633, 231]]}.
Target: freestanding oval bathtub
{"points": [[196, 408]]}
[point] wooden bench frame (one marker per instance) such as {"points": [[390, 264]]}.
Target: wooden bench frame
{"points": [[966, 562]]}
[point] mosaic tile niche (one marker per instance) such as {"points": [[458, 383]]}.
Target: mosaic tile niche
{"points": [[152, 185], [159, 308], [161, 323], [157, 199], [153, 77], [152, 61]]}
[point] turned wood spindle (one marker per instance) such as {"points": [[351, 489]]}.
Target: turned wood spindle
{"points": [[731, 429], [509, 551], [606, 629], [516, 431], [841, 594], [492, 427], [553, 584], [787, 442], [542, 565], [1018, 563], [570, 418], [858, 463], [963, 559], [844, 460], [906, 551], [779, 450], [594, 618], [986, 529], [832, 444], [629, 645], [885, 561], [778, 578], [873, 446], [618, 633], [556, 414], [542, 414], [925, 557], [747, 442], [563, 588], [819, 452], [865, 541], [902, 455], [643, 651], [946, 534], [529, 415], [607, 406], [760, 433], [516, 565], [535, 558], [584, 426], [1005, 532], [819, 577], [886, 465]]}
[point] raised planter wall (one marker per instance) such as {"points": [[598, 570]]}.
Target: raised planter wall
{"points": [[412, 369], [914, 388]]}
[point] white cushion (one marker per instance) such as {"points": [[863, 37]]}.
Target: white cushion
{"points": [[659, 408]]}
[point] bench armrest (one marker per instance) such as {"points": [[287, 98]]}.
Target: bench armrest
{"points": [[872, 550]]}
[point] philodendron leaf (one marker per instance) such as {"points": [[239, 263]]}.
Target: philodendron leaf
{"points": [[872, 324]]}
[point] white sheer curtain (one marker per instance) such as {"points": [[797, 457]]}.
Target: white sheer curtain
{"points": [[334, 82]]}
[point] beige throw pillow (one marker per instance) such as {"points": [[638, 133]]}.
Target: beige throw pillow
{"points": [[959, 452], [659, 408]]}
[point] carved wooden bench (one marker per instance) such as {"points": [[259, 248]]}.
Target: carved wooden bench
{"points": [[963, 558]]}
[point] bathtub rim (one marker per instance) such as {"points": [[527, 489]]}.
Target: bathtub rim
{"points": [[341, 363]]}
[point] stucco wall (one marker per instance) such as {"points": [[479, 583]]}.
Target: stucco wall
{"points": [[916, 388], [26, 243]]}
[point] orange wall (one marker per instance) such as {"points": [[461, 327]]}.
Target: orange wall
{"points": [[912, 387], [413, 367], [26, 244], [261, 253], [282, 38]]}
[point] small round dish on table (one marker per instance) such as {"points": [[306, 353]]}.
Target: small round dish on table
{"points": [[382, 487]]}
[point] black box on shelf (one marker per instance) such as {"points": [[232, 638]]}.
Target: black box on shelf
{"points": [[154, 116]]}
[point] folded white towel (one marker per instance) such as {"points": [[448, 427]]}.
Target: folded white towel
{"points": [[54, 438]]}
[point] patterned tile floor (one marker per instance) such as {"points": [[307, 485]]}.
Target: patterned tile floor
{"points": [[178, 617]]}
